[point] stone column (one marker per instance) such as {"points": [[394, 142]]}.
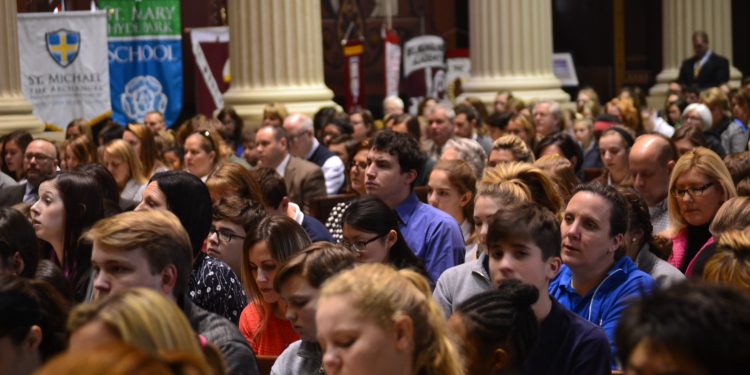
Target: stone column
{"points": [[511, 49], [15, 110], [276, 55], [680, 18]]}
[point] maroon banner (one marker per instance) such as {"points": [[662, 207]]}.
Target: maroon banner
{"points": [[354, 82], [217, 55]]}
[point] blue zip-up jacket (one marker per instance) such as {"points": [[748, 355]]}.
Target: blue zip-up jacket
{"points": [[604, 304]]}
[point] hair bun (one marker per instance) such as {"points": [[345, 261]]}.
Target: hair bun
{"points": [[520, 294]]}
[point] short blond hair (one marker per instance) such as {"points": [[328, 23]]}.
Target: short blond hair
{"points": [[706, 162], [158, 233]]}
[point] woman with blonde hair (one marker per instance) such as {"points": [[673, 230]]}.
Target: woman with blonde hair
{"points": [[274, 114], [530, 178], [204, 153], [395, 326], [274, 240], [124, 359], [731, 263], [509, 148], [141, 317], [144, 145], [700, 183], [733, 215], [120, 159]]}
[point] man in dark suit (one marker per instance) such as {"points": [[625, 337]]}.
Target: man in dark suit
{"points": [[705, 69], [40, 161], [304, 180]]}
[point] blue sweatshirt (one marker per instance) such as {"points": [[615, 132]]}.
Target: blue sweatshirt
{"points": [[604, 304]]}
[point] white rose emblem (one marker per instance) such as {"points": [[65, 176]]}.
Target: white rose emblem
{"points": [[143, 94]]}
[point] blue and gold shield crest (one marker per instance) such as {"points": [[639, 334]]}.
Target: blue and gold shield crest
{"points": [[63, 45]]}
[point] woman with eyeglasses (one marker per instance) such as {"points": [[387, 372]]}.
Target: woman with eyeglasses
{"points": [[203, 153], [212, 285], [370, 229], [357, 167], [699, 185]]}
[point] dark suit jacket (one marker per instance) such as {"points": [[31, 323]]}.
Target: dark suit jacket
{"points": [[11, 195], [304, 181], [714, 72]]}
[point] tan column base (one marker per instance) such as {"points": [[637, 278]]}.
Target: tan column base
{"points": [[15, 114], [249, 103]]}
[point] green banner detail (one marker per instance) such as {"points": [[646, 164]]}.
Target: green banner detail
{"points": [[128, 18]]}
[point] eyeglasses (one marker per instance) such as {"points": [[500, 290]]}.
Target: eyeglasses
{"points": [[295, 137], [361, 166], [224, 236], [359, 246], [38, 157], [693, 191]]}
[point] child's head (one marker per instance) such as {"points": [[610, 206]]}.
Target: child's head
{"points": [[298, 282], [583, 128], [497, 328], [523, 242]]}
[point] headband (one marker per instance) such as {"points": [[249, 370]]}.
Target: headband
{"points": [[625, 135]]}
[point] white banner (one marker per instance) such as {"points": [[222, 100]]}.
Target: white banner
{"points": [[64, 66], [427, 51]]}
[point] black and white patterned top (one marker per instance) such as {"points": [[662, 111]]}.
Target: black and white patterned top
{"points": [[216, 288], [334, 224]]}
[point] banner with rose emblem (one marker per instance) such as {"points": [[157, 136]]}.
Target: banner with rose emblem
{"points": [[145, 58]]}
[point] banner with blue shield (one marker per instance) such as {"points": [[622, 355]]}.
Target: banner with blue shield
{"points": [[145, 59], [64, 68]]}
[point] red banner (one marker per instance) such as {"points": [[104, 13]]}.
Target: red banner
{"points": [[355, 84]]}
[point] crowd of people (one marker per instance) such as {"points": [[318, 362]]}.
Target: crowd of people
{"points": [[524, 238]]}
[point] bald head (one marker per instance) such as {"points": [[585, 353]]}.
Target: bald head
{"points": [[40, 160], [299, 127], [651, 160]]}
